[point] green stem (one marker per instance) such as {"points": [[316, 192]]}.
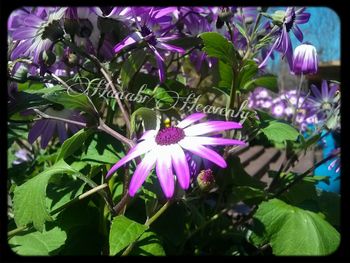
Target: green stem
{"points": [[298, 97], [148, 223]]}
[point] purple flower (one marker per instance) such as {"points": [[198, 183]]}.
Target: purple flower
{"points": [[47, 128], [151, 18], [35, 33], [305, 59], [22, 155], [323, 103], [282, 42], [165, 149]]}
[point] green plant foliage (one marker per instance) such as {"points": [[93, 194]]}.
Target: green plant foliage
{"points": [[290, 230]]}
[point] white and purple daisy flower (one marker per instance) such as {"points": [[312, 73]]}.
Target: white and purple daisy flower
{"points": [[166, 149], [149, 30], [35, 32], [292, 18]]}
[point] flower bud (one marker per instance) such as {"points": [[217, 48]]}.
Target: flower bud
{"points": [[53, 31], [305, 59], [48, 57], [205, 180]]}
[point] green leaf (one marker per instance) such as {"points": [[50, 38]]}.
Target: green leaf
{"points": [[243, 193], [226, 76], [73, 143], [46, 243], [217, 46], [266, 81], [162, 95], [29, 202], [148, 245], [248, 71], [123, 232], [131, 66], [102, 149], [70, 100], [148, 117], [280, 132], [293, 231]]}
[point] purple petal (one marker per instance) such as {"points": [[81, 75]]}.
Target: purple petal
{"points": [[181, 166], [164, 11], [160, 64], [73, 128], [165, 171], [129, 40], [47, 133], [211, 126], [263, 63], [302, 18], [170, 47], [333, 90], [213, 141], [324, 89], [203, 152], [315, 91], [32, 21], [297, 32], [141, 172], [136, 151], [190, 119], [21, 50], [62, 132], [36, 130], [24, 33]]}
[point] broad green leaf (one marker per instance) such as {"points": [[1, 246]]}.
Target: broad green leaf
{"points": [[148, 117], [162, 95], [46, 243], [123, 232], [266, 81], [293, 231], [243, 193], [329, 204], [29, 202], [148, 245], [131, 66], [226, 76], [70, 99], [247, 73], [73, 143], [217, 46], [102, 149], [279, 132], [63, 192]]}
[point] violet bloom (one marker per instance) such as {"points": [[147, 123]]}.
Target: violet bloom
{"points": [[152, 38], [305, 59], [47, 128], [36, 34], [324, 102], [292, 18], [165, 149]]}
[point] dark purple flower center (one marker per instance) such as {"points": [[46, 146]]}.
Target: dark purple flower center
{"points": [[290, 21], [148, 35], [52, 31], [85, 28], [170, 135]]}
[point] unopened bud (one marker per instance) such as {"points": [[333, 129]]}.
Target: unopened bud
{"points": [[206, 180]]}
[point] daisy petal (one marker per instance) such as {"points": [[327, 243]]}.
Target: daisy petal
{"points": [[213, 141], [297, 32], [136, 151], [190, 119], [324, 89], [141, 172], [135, 37], [148, 134], [203, 152], [160, 64], [164, 171], [181, 166], [315, 91], [36, 130], [211, 126], [170, 47], [47, 133]]}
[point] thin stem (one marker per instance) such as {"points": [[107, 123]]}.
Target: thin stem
{"points": [[298, 97], [300, 177], [148, 223], [110, 83], [46, 116], [104, 127]]}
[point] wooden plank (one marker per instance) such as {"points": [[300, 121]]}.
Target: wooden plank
{"points": [[251, 154]]}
